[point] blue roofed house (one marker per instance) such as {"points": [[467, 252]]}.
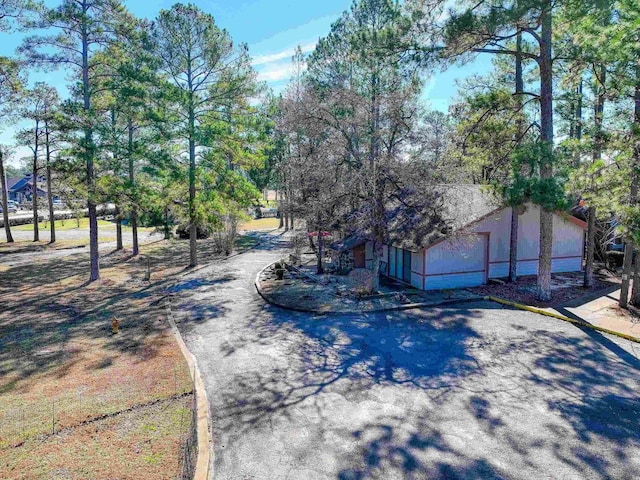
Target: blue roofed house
{"points": [[20, 189]]}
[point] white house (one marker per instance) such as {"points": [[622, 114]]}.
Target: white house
{"points": [[477, 248]]}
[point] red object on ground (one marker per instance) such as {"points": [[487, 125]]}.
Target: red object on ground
{"points": [[322, 234]]}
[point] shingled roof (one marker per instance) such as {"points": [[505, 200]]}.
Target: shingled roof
{"points": [[459, 206]]}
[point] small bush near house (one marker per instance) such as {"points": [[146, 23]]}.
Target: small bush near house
{"points": [[614, 259], [203, 231]]}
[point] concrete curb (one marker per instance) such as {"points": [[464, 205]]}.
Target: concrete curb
{"points": [[408, 306], [561, 317], [203, 414]]}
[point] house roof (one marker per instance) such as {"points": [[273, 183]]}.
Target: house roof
{"points": [[12, 181], [347, 243], [459, 206], [27, 180], [19, 184]]}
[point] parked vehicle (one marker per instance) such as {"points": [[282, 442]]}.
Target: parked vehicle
{"points": [[11, 208]]}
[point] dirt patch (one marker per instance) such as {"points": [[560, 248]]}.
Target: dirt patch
{"points": [[631, 315], [564, 288]]}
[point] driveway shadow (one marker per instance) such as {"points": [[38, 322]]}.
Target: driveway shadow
{"points": [[348, 355]]}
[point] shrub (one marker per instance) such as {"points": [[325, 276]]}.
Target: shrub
{"points": [[614, 258], [203, 231]]}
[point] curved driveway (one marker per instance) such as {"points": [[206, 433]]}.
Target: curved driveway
{"points": [[474, 392]]}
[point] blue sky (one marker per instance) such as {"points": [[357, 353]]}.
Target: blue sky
{"points": [[272, 29]]}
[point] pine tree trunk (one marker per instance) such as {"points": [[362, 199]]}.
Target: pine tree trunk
{"points": [[193, 226], [286, 215], [633, 196], [52, 213], [513, 246], [513, 238], [597, 155], [627, 266], [94, 253], [93, 239], [167, 235], [134, 209], [635, 292], [375, 265], [34, 196], [578, 129], [320, 269], [119, 245], [591, 246], [546, 164], [5, 200]]}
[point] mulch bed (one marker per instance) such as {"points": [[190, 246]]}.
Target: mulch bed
{"points": [[564, 287]]}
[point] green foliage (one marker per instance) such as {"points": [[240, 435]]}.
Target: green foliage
{"points": [[525, 183]]}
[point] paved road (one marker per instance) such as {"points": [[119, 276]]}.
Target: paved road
{"points": [[474, 392]]}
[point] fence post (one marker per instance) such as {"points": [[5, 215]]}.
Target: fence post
{"points": [[53, 417]]}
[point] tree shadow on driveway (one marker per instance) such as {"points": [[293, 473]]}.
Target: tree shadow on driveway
{"points": [[438, 394]]}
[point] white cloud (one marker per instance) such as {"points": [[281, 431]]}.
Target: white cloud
{"points": [[286, 53], [277, 72]]}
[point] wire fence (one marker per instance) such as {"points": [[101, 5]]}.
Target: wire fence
{"points": [[42, 416], [189, 442]]}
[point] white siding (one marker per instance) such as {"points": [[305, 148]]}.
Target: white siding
{"points": [[399, 263], [460, 280], [566, 265], [568, 238], [498, 226], [567, 242], [417, 260], [385, 259], [456, 263], [392, 261]]}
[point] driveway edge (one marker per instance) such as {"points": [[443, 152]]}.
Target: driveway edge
{"points": [[203, 414], [408, 306], [561, 317]]}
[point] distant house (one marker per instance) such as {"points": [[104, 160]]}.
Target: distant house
{"points": [[11, 181], [20, 189], [476, 247]]}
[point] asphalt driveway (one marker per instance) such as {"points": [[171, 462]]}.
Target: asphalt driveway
{"points": [[473, 392]]}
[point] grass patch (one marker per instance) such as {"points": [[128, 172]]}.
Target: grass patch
{"points": [[245, 241], [261, 224], [72, 224], [61, 366]]}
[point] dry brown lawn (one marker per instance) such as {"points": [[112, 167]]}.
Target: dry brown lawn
{"points": [[261, 224], [77, 401]]}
